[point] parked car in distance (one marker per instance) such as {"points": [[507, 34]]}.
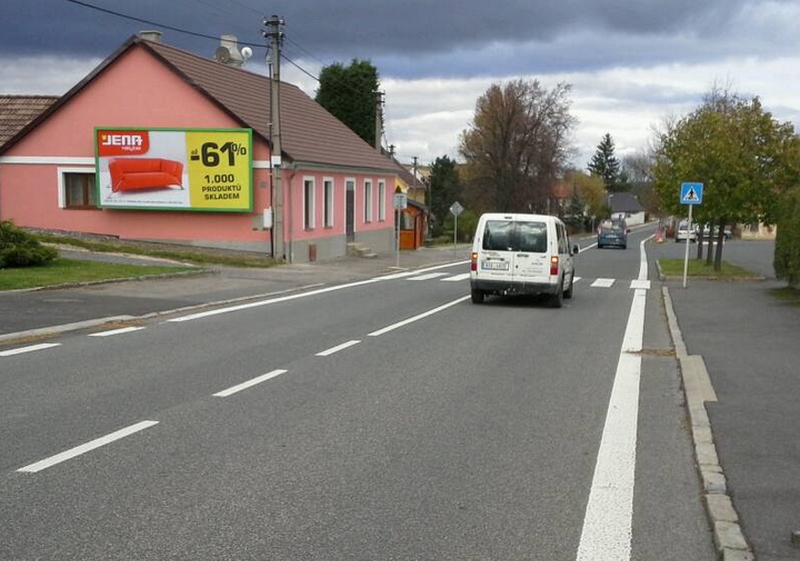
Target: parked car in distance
{"points": [[522, 254], [683, 232], [712, 233], [612, 233]]}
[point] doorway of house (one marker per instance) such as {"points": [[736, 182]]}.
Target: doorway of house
{"points": [[350, 203]]}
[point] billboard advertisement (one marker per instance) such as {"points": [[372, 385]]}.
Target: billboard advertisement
{"points": [[174, 169]]}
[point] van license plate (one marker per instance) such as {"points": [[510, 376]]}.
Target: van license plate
{"points": [[494, 265]]}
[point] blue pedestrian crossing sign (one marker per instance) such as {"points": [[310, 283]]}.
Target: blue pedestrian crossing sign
{"points": [[691, 193]]}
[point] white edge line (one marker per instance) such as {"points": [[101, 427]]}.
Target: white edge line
{"points": [[249, 383], [115, 332], [29, 349], [397, 325], [338, 348], [83, 448]]}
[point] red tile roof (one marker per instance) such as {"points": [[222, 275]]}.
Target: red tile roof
{"points": [[16, 111]]}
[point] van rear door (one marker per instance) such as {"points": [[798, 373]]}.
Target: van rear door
{"points": [[530, 261], [495, 256]]}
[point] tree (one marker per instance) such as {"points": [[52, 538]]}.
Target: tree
{"points": [[516, 146], [743, 156], [445, 189], [591, 192], [350, 94], [637, 168], [604, 164]]}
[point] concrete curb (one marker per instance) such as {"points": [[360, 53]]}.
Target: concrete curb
{"points": [[729, 539]]}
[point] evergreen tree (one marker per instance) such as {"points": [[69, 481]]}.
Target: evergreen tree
{"points": [[445, 189], [349, 94], [605, 165]]}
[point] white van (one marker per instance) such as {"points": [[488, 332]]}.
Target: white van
{"points": [[522, 254]]}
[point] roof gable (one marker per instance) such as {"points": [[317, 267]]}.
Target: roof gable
{"points": [[625, 202], [309, 133]]}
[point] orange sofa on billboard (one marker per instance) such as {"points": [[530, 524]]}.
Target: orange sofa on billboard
{"points": [[135, 174]]}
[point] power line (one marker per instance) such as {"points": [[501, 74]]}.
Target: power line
{"points": [[155, 23]]}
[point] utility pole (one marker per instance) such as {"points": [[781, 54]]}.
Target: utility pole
{"points": [[275, 36], [378, 120]]}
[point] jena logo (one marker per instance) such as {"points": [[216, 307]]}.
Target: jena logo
{"points": [[122, 143]]}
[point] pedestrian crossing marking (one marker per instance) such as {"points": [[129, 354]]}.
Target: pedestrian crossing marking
{"points": [[645, 284], [428, 276], [456, 278], [602, 283]]}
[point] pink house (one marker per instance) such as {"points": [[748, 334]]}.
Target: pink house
{"points": [[205, 128]]}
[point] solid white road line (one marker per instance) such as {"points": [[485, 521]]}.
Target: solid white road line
{"points": [[29, 349], [338, 348], [607, 525], [115, 332], [249, 383], [602, 283], [83, 448], [397, 325]]}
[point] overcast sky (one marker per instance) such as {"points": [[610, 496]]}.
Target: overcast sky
{"points": [[631, 63]]}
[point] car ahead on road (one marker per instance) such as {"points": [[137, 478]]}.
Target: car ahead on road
{"points": [[612, 233], [522, 254], [683, 232]]}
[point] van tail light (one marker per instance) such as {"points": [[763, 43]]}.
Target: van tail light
{"points": [[473, 265], [554, 265]]}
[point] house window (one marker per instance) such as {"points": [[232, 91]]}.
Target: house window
{"points": [[327, 201], [79, 190], [308, 204], [367, 200], [382, 200]]}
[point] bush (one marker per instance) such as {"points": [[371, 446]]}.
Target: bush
{"points": [[18, 248], [787, 240]]}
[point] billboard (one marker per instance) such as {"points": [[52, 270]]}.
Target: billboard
{"points": [[174, 169]]}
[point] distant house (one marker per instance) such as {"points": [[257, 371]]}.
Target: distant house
{"points": [[200, 130], [414, 219], [626, 205]]}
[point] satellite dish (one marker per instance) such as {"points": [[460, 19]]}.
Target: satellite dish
{"points": [[222, 54], [247, 52]]}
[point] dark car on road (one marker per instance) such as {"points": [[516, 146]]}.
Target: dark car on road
{"points": [[613, 233]]}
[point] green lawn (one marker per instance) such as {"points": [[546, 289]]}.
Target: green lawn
{"points": [[698, 268], [67, 271]]}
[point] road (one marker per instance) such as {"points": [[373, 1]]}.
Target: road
{"points": [[388, 418]]}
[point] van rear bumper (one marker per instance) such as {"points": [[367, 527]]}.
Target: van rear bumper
{"points": [[510, 287]]}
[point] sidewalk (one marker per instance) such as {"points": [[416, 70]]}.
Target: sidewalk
{"points": [[748, 341]]}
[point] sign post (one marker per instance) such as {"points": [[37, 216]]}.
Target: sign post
{"points": [[455, 210], [691, 194], [400, 203]]}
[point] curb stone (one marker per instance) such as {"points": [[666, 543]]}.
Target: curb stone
{"points": [[729, 539]]}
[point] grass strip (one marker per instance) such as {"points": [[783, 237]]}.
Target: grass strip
{"points": [[70, 271], [699, 268]]}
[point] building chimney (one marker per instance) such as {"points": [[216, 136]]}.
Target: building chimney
{"points": [[151, 35]]}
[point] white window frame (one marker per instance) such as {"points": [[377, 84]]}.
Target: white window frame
{"points": [[309, 206], [381, 200], [368, 200], [62, 183], [328, 209]]}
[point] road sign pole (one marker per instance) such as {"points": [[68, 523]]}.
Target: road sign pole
{"points": [[686, 254], [397, 238]]}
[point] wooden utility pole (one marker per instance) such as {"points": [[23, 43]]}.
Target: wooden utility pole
{"points": [[378, 120], [275, 36]]}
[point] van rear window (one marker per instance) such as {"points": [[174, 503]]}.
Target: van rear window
{"points": [[506, 235]]}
